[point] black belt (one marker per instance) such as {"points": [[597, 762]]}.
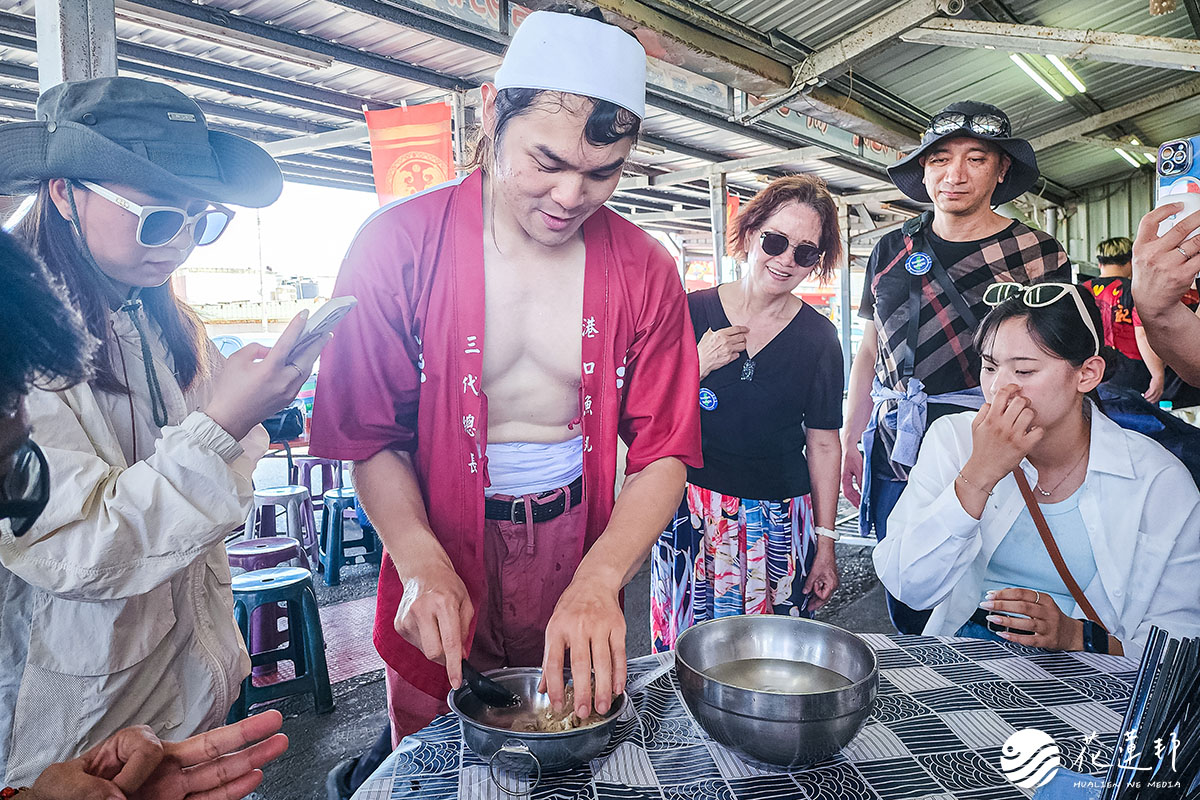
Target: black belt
{"points": [[543, 510], [980, 617]]}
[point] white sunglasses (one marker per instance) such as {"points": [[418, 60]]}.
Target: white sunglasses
{"points": [[158, 225], [1038, 295]]}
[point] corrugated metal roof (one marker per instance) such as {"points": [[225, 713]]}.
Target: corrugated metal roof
{"points": [[923, 77]]}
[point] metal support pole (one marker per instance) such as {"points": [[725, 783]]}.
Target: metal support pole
{"points": [[458, 119], [844, 294], [76, 40], [719, 202]]}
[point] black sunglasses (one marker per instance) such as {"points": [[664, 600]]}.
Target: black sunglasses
{"points": [[25, 490], [805, 255], [982, 124]]}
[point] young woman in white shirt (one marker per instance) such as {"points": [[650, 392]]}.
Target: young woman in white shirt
{"points": [[1123, 511]]}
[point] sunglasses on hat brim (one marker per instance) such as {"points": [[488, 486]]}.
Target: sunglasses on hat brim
{"points": [[159, 225], [1039, 295], [981, 124], [776, 244]]}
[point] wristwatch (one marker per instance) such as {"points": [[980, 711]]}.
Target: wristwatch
{"points": [[1095, 637], [832, 534]]}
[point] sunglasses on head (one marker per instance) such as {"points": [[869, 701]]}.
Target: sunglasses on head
{"points": [[1039, 295], [982, 124], [805, 255], [159, 225], [25, 489]]}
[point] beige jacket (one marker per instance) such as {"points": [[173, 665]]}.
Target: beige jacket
{"points": [[115, 609]]}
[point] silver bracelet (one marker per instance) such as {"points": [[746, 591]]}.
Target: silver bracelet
{"points": [[973, 486]]}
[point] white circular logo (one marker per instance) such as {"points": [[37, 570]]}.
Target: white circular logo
{"points": [[1030, 758]]}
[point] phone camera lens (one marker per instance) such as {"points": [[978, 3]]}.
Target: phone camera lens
{"points": [[1180, 156]]}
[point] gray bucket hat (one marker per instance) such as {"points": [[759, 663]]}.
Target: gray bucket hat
{"points": [[136, 132], [908, 174]]}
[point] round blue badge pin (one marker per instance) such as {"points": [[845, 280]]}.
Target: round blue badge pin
{"points": [[708, 399], [918, 263]]}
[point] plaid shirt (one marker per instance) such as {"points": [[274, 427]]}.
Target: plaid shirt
{"points": [[946, 360]]}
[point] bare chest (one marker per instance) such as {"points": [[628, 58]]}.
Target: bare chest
{"points": [[533, 317]]}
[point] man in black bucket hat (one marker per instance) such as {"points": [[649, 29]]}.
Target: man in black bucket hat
{"points": [[923, 298]]}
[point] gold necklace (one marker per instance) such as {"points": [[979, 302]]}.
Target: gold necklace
{"points": [[1071, 471]]}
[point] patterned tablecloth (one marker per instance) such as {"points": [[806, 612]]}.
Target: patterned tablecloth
{"points": [[945, 708]]}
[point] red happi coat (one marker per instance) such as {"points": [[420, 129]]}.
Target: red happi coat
{"points": [[403, 372]]}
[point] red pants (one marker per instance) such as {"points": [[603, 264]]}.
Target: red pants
{"points": [[528, 567]]}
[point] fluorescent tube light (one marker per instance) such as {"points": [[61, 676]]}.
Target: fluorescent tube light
{"points": [[1038, 79], [1067, 72], [1125, 155]]}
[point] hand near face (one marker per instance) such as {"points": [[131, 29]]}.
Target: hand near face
{"points": [[1002, 434]]}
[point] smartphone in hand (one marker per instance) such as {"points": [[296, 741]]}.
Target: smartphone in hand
{"points": [[323, 320]]}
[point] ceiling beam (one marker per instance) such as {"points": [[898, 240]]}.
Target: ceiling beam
{"points": [[354, 134], [1114, 143], [1095, 122], [793, 156], [671, 216], [385, 65], [1120, 48], [881, 196]]}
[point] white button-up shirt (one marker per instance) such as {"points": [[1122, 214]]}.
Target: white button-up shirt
{"points": [[1138, 503]]}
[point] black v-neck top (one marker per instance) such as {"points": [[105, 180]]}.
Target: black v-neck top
{"points": [[752, 431]]}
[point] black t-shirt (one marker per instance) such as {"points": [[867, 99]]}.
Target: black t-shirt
{"points": [[753, 430]]}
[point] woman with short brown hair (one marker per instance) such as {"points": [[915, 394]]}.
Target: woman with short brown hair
{"points": [[754, 534]]}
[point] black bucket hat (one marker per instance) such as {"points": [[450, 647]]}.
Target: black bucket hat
{"points": [[908, 174], [136, 132]]}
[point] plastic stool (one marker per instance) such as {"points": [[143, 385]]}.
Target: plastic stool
{"points": [[253, 554], [302, 473], [306, 642], [333, 542], [301, 523]]}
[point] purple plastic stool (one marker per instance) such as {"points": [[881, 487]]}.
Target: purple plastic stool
{"points": [[254, 554], [301, 474], [301, 522]]}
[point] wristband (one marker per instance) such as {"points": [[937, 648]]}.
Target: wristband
{"points": [[832, 534], [1095, 637]]}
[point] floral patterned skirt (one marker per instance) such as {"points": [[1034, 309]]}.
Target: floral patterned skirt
{"points": [[723, 556]]}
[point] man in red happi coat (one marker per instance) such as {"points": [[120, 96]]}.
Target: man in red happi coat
{"points": [[508, 330]]}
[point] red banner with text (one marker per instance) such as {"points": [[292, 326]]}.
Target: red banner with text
{"points": [[411, 149]]}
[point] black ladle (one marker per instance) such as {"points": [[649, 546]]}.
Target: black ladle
{"points": [[486, 689]]}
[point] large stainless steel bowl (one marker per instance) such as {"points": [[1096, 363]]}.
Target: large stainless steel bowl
{"points": [[780, 690], [488, 731]]}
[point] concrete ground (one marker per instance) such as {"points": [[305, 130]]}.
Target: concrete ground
{"points": [[318, 742]]}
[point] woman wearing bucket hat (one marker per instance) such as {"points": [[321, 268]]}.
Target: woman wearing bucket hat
{"points": [[126, 617]]}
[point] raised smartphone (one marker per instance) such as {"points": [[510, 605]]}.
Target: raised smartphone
{"points": [[323, 320]]}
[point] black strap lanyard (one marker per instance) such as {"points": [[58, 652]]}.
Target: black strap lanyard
{"points": [[914, 238]]}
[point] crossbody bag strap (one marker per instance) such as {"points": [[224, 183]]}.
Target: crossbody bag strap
{"points": [[1039, 522], [947, 283]]}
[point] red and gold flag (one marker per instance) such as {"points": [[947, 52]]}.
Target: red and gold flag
{"points": [[411, 149]]}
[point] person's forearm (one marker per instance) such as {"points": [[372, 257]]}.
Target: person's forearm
{"points": [[858, 397], [1174, 335], [391, 496], [1151, 359], [824, 452], [646, 504]]}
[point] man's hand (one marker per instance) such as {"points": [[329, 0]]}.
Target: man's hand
{"points": [[132, 764], [1049, 627], [1002, 434], [1154, 393], [435, 614], [589, 622], [852, 472], [718, 348], [1164, 268], [823, 578]]}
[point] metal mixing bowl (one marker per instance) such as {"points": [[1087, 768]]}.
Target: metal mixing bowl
{"points": [[488, 731], [750, 683]]}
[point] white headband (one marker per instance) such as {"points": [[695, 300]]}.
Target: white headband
{"points": [[567, 53]]}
